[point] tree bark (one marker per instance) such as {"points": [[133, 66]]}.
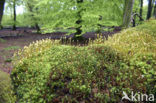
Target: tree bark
{"points": [[128, 8], [149, 12], [2, 3], [141, 9], [154, 13], [14, 9]]}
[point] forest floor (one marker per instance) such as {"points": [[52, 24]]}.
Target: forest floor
{"points": [[11, 41]]}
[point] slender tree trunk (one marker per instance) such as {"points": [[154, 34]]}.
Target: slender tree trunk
{"points": [[14, 9], [128, 8], [154, 13], [37, 28], [134, 19], [141, 9], [149, 12], [79, 21], [2, 2]]}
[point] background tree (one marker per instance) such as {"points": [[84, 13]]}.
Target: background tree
{"points": [[150, 6], [137, 14], [2, 3], [79, 20], [32, 11], [128, 8], [12, 5], [154, 13], [14, 12], [141, 9]]}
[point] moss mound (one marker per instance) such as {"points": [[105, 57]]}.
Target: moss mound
{"points": [[6, 93], [46, 72]]}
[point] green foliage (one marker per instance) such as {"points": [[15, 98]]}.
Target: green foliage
{"points": [[52, 15], [48, 72], [64, 14], [23, 20], [7, 21], [145, 9], [6, 92]]}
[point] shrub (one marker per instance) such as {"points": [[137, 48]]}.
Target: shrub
{"points": [[97, 73], [6, 93]]}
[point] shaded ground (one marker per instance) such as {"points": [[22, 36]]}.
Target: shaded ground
{"points": [[13, 40]]}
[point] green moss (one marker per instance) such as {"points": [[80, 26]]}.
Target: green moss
{"points": [[6, 93], [148, 26], [133, 41], [96, 73]]}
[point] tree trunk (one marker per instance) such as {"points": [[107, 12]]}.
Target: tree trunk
{"points": [[154, 13], [2, 2], [141, 9], [37, 27], [14, 9], [128, 8], [134, 19], [149, 9], [78, 22]]}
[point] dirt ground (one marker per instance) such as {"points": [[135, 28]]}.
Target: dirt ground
{"points": [[14, 40]]}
